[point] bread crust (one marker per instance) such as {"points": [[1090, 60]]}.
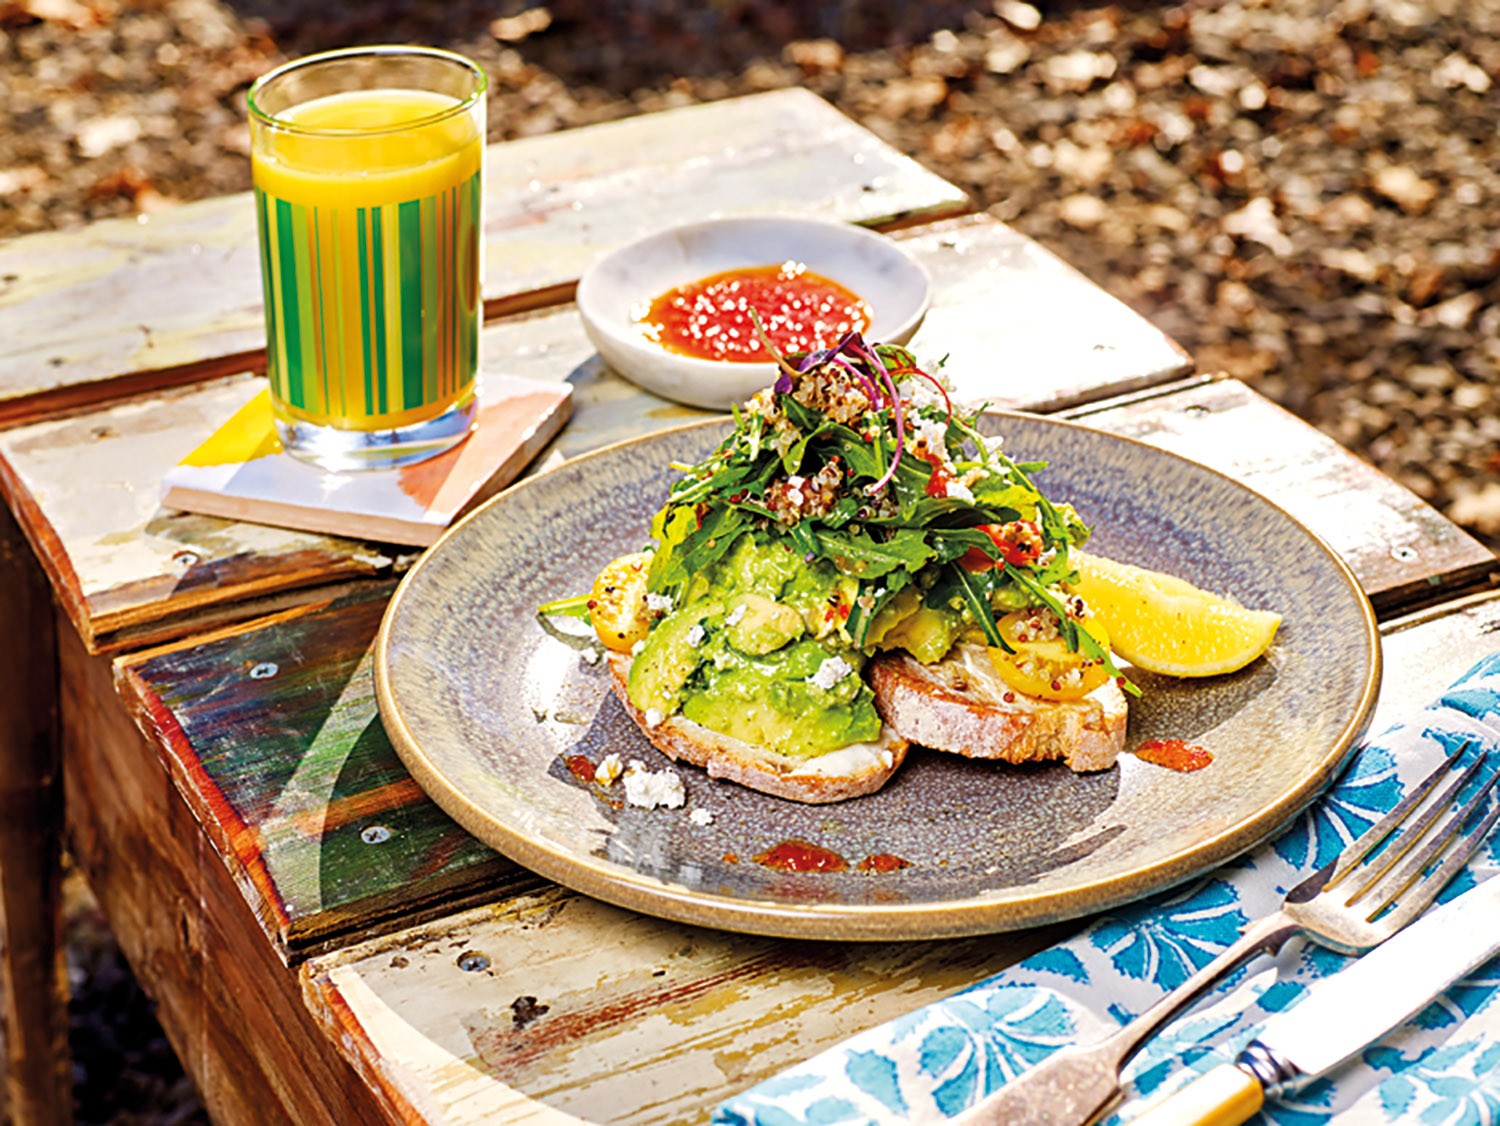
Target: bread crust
{"points": [[936, 706], [758, 767]]}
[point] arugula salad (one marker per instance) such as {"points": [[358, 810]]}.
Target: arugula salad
{"points": [[852, 508]]}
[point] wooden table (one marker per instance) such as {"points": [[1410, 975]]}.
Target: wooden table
{"points": [[189, 699]]}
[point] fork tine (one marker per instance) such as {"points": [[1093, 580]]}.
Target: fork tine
{"points": [[1366, 841], [1412, 833], [1432, 883]]}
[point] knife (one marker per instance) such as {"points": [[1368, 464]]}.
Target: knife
{"points": [[1343, 1013]]}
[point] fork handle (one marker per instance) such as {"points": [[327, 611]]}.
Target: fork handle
{"points": [[1264, 936], [1071, 1086]]}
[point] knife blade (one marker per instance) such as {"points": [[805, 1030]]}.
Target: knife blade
{"points": [[1343, 1013]]}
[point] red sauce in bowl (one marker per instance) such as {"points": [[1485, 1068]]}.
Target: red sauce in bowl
{"points": [[710, 318]]}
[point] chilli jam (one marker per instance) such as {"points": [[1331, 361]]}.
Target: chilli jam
{"points": [[800, 856], [1174, 754], [710, 318]]}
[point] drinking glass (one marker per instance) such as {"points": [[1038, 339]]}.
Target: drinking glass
{"points": [[367, 168]]}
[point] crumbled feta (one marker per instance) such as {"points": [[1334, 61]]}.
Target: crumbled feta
{"points": [[695, 636], [830, 672], [654, 717], [885, 757], [701, 816], [959, 491], [921, 393], [649, 790], [662, 602], [992, 445], [933, 436], [635, 650], [590, 655], [609, 769], [738, 613]]}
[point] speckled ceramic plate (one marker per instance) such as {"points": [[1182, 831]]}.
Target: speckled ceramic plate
{"points": [[486, 704]]}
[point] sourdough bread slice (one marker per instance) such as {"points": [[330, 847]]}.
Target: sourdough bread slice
{"points": [[960, 704], [848, 772]]}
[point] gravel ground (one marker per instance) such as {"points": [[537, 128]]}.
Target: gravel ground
{"points": [[1304, 193]]}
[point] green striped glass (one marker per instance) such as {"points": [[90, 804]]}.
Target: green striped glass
{"points": [[367, 170]]}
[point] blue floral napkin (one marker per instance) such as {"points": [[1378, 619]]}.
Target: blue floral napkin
{"points": [[1443, 1067]]}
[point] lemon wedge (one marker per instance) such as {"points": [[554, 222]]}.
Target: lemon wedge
{"points": [[1162, 624]]}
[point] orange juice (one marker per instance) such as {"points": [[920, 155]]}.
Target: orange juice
{"points": [[368, 208]]}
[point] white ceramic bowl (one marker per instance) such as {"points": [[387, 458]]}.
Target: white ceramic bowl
{"points": [[614, 290]]}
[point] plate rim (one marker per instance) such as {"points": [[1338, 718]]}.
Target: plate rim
{"points": [[592, 876]]}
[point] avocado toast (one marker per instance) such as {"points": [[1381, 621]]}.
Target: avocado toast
{"points": [[853, 512]]}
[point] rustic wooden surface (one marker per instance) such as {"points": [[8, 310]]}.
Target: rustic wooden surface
{"points": [[1404, 552], [272, 733], [553, 1007], [33, 986], [230, 1008], [133, 573], [127, 570], [178, 294], [266, 755]]}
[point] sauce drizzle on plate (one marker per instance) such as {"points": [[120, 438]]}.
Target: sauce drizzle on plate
{"points": [[1174, 754], [710, 318], [800, 856]]}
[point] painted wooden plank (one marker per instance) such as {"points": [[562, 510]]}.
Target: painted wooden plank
{"points": [[1404, 552], [129, 571], [273, 732], [179, 293], [556, 1008], [229, 1005], [132, 573]]}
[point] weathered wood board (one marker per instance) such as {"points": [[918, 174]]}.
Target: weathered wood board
{"points": [[133, 573], [1403, 551], [556, 1008], [127, 570], [179, 292], [1022, 329], [230, 1007], [273, 736]]}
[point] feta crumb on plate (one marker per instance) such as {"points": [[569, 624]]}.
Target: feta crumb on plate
{"points": [[701, 816], [609, 769], [648, 790]]}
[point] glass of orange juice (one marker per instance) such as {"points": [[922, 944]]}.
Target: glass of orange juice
{"points": [[367, 166]]}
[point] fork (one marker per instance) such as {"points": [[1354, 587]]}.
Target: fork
{"points": [[1342, 905]]}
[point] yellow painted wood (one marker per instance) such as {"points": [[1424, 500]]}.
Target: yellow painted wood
{"points": [[1223, 1096], [180, 290]]}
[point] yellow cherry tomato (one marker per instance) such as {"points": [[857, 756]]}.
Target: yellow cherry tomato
{"points": [[617, 604], [1042, 664]]}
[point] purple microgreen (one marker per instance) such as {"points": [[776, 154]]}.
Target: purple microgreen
{"points": [[784, 381]]}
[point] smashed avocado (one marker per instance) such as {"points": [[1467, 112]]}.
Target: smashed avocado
{"points": [[755, 652]]}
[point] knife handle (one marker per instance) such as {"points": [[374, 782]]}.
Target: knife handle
{"points": [[1225, 1096]]}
